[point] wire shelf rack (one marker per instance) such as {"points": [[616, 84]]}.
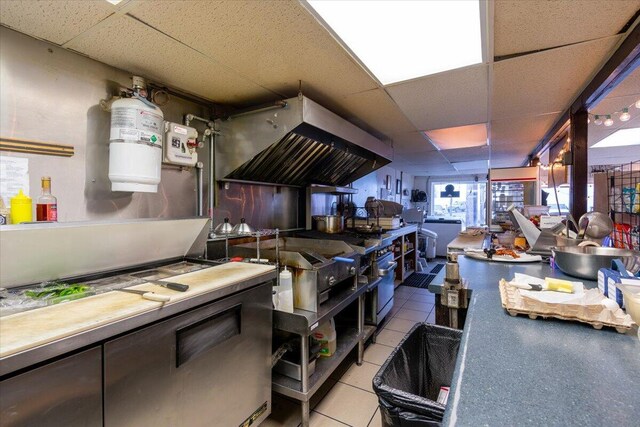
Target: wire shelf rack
{"points": [[624, 204]]}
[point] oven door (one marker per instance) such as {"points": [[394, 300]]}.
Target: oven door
{"points": [[380, 298], [386, 271]]}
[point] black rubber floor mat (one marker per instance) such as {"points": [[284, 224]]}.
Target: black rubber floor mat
{"points": [[436, 269], [419, 280]]}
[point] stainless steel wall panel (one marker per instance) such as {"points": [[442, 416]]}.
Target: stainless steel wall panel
{"points": [[52, 94]]}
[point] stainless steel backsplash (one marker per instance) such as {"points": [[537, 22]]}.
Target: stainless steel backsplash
{"points": [[51, 94]]}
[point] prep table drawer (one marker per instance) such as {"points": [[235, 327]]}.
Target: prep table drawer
{"points": [[208, 366]]}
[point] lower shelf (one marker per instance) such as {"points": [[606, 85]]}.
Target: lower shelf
{"points": [[408, 273], [368, 331], [347, 341]]}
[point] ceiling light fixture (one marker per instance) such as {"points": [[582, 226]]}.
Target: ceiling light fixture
{"points": [[638, 103], [401, 40], [458, 137], [625, 116], [114, 2], [620, 138], [608, 121], [597, 121]]}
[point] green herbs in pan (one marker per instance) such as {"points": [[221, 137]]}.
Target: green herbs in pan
{"points": [[59, 291]]}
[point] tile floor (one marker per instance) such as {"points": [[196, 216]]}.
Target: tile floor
{"points": [[347, 397]]}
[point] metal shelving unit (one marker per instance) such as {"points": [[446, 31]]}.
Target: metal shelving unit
{"points": [[302, 323]]}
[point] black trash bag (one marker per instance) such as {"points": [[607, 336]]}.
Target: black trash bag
{"points": [[408, 383]]}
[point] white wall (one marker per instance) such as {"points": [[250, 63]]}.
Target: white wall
{"points": [[371, 185]]}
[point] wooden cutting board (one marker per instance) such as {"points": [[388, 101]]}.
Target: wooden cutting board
{"points": [[29, 329]]}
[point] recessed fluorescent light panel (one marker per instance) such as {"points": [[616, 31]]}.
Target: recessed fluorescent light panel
{"points": [[401, 40], [114, 1], [620, 138], [473, 165], [458, 137]]}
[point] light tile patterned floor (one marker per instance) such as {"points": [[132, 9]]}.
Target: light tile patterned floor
{"points": [[347, 399]]}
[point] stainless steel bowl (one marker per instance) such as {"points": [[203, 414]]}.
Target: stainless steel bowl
{"points": [[584, 262]]}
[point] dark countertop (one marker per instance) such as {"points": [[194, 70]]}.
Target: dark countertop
{"points": [[518, 371]]}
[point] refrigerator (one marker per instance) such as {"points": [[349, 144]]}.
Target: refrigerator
{"points": [[519, 186]]}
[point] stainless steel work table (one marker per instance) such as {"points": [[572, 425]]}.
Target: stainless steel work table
{"points": [[302, 323], [518, 371]]}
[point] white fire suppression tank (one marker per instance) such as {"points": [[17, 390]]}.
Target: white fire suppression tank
{"points": [[135, 145]]}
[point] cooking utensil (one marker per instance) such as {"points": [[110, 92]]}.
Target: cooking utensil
{"points": [[242, 228], [600, 225], [151, 296], [584, 262], [531, 287], [582, 224], [224, 227], [328, 223], [571, 219], [171, 285]]}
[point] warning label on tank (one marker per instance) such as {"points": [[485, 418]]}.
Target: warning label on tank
{"points": [[134, 124]]}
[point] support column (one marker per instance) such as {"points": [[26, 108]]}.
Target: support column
{"points": [[580, 166]]}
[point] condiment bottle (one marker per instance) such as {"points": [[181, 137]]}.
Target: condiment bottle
{"points": [[21, 208], [47, 204], [285, 294], [5, 218]]}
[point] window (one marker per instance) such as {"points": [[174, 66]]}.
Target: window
{"points": [[470, 206]]}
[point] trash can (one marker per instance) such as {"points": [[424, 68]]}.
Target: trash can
{"points": [[430, 243], [408, 383]]}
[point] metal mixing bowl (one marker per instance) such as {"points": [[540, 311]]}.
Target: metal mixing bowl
{"points": [[584, 262]]}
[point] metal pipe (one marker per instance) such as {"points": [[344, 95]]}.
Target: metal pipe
{"points": [[190, 117], [212, 178], [258, 246], [278, 257], [360, 327], [199, 189], [304, 377]]}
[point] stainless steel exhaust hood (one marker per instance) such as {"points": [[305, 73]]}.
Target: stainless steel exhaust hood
{"points": [[299, 144]]}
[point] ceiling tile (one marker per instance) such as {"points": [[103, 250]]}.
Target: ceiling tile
{"points": [[473, 165], [54, 21], [629, 86], [509, 155], [547, 81], [434, 170], [375, 109], [429, 158], [453, 98], [459, 137], [521, 130], [273, 43], [411, 142], [613, 155], [161, 58], [467, 154], [525, 26]]}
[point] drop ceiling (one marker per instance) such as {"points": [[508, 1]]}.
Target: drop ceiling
{"points": [[623, 95], [538, 56]]}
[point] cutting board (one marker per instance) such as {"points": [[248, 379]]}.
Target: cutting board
{"points": [[524, 257], [22, 331]]}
